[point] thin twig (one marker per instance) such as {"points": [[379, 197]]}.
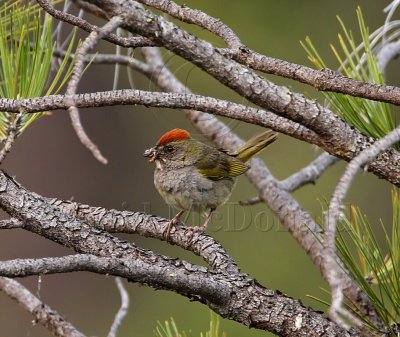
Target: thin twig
{"points": [[330, 265], [77, 71], [131, 42], [112, 59], [117, 65], [13, 126], [68, 38], [42, 313], [57, 31], [308, 174], [123, 310], [387, 53], [250, 202]]}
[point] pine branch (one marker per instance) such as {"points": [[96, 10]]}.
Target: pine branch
{"points": [[232, 296]]}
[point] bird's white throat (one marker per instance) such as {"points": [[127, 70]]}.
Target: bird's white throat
{"points": [[158, 164]]}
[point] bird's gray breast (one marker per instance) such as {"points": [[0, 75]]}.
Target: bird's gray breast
{"points": [[185, 188]]}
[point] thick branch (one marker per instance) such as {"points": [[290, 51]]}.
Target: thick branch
{"points": [[197, 17], [41, 312], [56, 265], [292, 320], [170, 276], [232, 296], [48, 221], [114, 221], [166, 100], [323, 80]]}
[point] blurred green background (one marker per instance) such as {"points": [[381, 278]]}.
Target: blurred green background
{"points": [[49, 160]]}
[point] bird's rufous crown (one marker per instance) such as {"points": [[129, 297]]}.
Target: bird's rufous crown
{"points": [[173, 136]]}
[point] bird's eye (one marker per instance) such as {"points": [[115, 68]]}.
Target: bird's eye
{"points": [[169, 148]]}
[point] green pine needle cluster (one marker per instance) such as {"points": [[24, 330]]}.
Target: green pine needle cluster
{"points": [[358, 62], [170, 329], [26, 53], [374, 264]]}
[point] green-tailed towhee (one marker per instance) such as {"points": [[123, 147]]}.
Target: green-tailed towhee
{"points": [[191, 175]]}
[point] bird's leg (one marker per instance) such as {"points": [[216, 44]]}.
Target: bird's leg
{"points": [[173, 222], [188, 214], [208, 219]]}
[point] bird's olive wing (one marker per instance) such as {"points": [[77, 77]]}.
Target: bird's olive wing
{"points": [[218, 165]]}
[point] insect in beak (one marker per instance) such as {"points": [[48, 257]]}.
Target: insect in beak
{"points": [[152, 154]]}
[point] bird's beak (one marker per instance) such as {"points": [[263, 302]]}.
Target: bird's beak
{"points": [[151, 153]]}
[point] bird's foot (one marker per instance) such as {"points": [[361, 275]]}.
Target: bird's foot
{"points": [[202, 229], [167, 231], [172, 223], [198, 229]]}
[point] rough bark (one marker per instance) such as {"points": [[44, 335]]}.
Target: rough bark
{"points": [[234, 296]]}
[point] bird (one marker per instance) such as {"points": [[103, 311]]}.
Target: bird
{"points": [[191, 175]]}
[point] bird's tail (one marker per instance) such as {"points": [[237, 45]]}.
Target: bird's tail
{"points": [[255, 145]]}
